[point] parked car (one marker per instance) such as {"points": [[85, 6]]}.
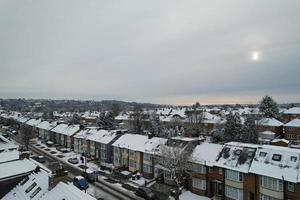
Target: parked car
{"points": [[73, 160], [5, 134], [80, 182], [40, 159], [146, 193], [90, 176]]}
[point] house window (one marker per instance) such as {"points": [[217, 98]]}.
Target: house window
{"points": [[291, 187], [132, 163], [262, 154], [147, 168], [271, 183], [199, 183], [210, 170], [131, 153], [265, 197], [220, 171], [276, 157], [233, 193], [234, 175], [201, 169], [147, 157], [293, 158]]}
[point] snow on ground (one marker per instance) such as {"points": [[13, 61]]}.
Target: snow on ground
{"points": [[187, 195]]}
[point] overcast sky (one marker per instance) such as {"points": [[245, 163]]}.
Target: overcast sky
{"points": [[159, 51]]}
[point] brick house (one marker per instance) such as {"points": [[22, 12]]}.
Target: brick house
{"points": [[63, 134], [205, 179], [291, 130], [291, 114], [97, 143], [135, 152], [270, 124], [44, 128]]}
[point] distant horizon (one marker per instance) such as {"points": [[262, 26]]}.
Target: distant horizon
{"points": [[144, 102]]}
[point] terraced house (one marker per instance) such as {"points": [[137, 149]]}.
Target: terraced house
{"points": [[291, 130], [62, 134], [97, 143], [135, 152], [245, 171]]}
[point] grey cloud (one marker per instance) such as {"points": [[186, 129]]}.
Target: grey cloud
{"points": [[149, 50]]}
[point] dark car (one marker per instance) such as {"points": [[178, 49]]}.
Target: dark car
{"points": [[5, 134], [80, 182], [145, 192], [73, 160], [40, 159]]}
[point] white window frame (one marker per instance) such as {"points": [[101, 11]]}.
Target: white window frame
{"points": [[271, 183], [233, 175], [199, 183], [233, 193]]}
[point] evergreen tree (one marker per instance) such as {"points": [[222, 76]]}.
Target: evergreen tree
{"points": [[156, 126], [106, 120], [75, 119], [249, 132], [233, 126], [137, 120], [269, 107]]}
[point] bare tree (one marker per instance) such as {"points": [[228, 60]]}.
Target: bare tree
{"points": [[175, 160], [195, 118], [26, 134], [137, 120]]}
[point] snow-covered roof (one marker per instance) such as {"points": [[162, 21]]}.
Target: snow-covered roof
{"points": [[33, 122], [139, 143], [187, 139], [97, 135], [236, 156], [206, 153], [6, 144], [8, 155], [46, 125], [66, 191], [277, 162], [103, 136], [23, 119], [16, 167], [36, 187], [122, 116], [293, 123], [281, 140], [266, 135], [293, 111], [66, 129], [39, 180], [269, 122]]}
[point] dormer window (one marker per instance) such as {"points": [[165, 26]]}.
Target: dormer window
{"points": [[262, 154], [238, 152], [250, 154], [293, 158], [276, 157]]}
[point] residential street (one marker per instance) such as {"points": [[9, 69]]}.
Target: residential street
{"points": [[97, 190]]}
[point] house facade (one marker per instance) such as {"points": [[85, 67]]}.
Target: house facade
{"points": [[63, 134], [291, 130], [245, 171], [290, 114], [97, 143], [135, 152]]}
